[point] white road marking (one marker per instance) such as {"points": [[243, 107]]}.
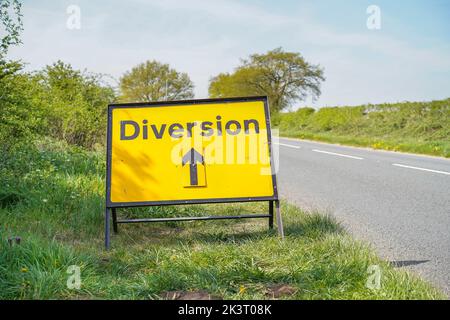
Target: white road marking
{"points": [[422, 169], [338, 154], [287, 145]]}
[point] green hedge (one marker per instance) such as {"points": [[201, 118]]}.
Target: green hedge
{"points": [[422, 127]]}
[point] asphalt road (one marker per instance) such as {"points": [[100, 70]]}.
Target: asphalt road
{"points": [[400, 203]]}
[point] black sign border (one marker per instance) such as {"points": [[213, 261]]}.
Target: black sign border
{"points": [[111, 107]]}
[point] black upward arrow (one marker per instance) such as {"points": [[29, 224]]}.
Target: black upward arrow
{"points": [[193, 157]]}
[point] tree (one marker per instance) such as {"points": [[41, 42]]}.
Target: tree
{"points": [[74, 104], [154, 81], [10, 26], [18, 119], [285, 77]]}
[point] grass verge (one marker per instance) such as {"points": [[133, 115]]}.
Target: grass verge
{"points": [[437, 148]]}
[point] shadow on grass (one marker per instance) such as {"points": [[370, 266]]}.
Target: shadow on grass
{"points": [[313, 225], [406, 263], [296, 225]]}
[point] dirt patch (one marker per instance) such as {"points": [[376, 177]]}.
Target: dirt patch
{"points": [[280, 290], [189, 295]]}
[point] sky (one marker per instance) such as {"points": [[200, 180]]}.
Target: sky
{"points": [[406, 59]]}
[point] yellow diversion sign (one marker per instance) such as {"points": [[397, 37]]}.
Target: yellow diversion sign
{"points": [[186, 152], [192, 151]]}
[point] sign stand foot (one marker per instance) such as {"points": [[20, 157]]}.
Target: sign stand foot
{"points": [[270, 214], [279, 220], [114, 218], [107, 231]]}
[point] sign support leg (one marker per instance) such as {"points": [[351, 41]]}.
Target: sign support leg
{"points": [[107, 231], [271, 214], [279, 220], [114, 218]]}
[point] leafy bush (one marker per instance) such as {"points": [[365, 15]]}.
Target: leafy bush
{"points": [[58, 101], [76, 104], [20, 118]]}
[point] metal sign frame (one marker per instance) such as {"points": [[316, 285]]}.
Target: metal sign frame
{"points": [[111, 207]]}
